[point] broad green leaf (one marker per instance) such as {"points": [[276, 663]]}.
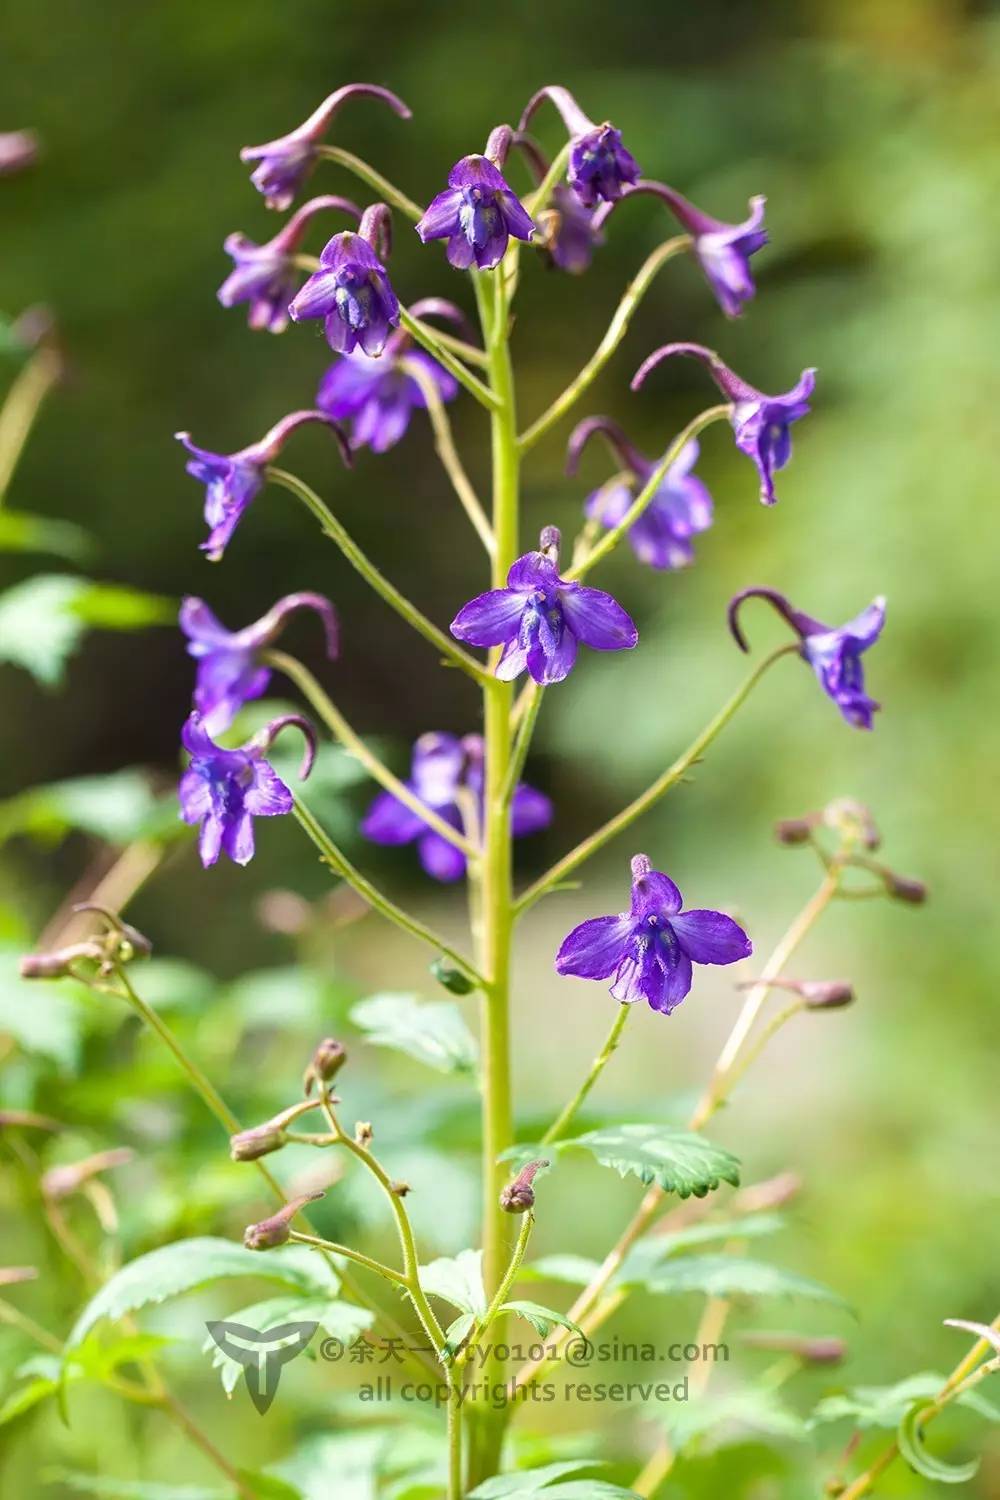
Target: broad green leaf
{"points": [[456, 1333], [735, 1276], [885, 1406], [727, 1417], [542, 1319], [648, 1254], [911, 1445], [38, 627], [457, 1280], [575, 1270], [107, 1488], [529, 1481], [676, 1160], [113, 606], [22, 531], [42, 1018], [339, 1320], [433, 1032], [117, 808]]}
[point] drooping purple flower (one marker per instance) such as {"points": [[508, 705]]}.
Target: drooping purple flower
{"points": [[351, 291], [444, 767], [232, 480], [265, 276], [224, 790], [723, 250], [286, 162], [540, 618], [600, 167], [648, 951], [761, 423], [681, 505], [478, 211], [833, 653], [568, 233], [229, 670]]}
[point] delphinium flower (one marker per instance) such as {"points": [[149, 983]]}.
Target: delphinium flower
{"points": [[286, 162], [833, 653], [761, 423], [568, 233], [224, 790], [648, 951], [681, 505], [351, 291], [230, 672], [232, 480], [600, 167], [478, 211], [723, 250], [539, 618], [265, 276], [443, 768]]}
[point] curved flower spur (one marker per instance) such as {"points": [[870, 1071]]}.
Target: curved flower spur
{"points": [[568, 232], [266, 276], [479, 211], [600, 167], [351, 291]]}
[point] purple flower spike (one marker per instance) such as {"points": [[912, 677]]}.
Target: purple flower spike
{"points": [[539, 618], [649, 950], [265, 276], [443, 767], [224, 790], [229, 672], [760, 422], [477, 213], [680, 507], [351, 291], [600, 167], [232, 480], [833, 654], [285, 163]]}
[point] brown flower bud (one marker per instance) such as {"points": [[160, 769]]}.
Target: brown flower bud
{"points": [[518, 1196], [795, 830], [325, 1064], [903, 889], [250, 1145], [270, 1233], [60, 1182], [812, 1351]]}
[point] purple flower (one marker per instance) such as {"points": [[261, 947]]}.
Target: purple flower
{"points": [[723, 250], [380, 395], [442, 768], [600, 167], [476, 214], [229, 672], [568, 232], [265, 276], [649, 950], [351, 291], [761, 423], [681, 505], [224, 790], [539, 618], [285, 163], [232, 480], [833, 654]]}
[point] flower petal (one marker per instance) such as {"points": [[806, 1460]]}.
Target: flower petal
{"points": [[530, 811], [597, 619], [665, 986], [440, 216], [237, 838], [596, 948], [441, 860], [655, 894], [710, 937], [491, 619], [388, 821], [267, 796]]}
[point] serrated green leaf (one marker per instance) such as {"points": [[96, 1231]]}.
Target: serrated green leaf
{"points": [[458, 1280], [678, 1161], [735, 1276], [433, 1032], [909, 1437], [338, 1319], [542, 1319], [648, 1254], [529, 1481], [574, 1270]]}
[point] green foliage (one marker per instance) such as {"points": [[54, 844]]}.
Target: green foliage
{"points": [[542, 1319], [338, 1319], [678, 1161], [458, 1280], [433, 1032], [735, 1276], [22, 531], [645, 1257], [529, 1481], [118, 807], [725, 1418], [885, 1406], [106, 1488], [43, 619], [575, 1270], [910, 1438], [46, 1019]]}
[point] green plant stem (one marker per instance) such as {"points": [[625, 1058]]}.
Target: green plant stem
{"points": [[326, 710], [386, 191], [447, 452], [617, 329], [15, 1318], [562, 1121], [522, 744], [388, 591], [465, 351], [21, 407], [538, 200], [507, 1281], [429, 340], [331, 1247], [670, 777]]}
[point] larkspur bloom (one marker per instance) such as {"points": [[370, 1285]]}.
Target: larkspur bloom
{"points": [[230, 672], [266, 276], [760, 423], [224, 790], [723, 250], [600, 167], [540, 618], [233, 480], [443, 768], [648, 951], [285, 163], [833, 653], [478, 211], [681, 505], [351, 291], [568, 233]]}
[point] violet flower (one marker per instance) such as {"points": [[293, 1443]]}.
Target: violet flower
{"points": [[723, 250], [833, 654], [478, 211], [760, 422], [681, 505], [265, 276], [224, 790], [540, 618], [351, 291], [229, 670], [649, 950], [444, 767], [568, 232], [232, 480], [600, 167], [285, 163]]}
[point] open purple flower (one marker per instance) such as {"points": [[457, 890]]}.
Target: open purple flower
{"points": [[600, 167], [540, 618], [761, 423], [443, 767], [232, 480], [723, 250], [649, 950], [351, 291], [285, 163], [229, 670], [477, 213], [833, 654], [224, 790], [681, 505], [568, 233], [265, 276]]}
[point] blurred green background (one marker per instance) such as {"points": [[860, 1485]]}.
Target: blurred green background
{"points": [[872, 130]]}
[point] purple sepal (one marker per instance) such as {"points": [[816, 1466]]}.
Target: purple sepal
{"points": [[477, 214], [379, 396], [352, 293], [265, 276]]}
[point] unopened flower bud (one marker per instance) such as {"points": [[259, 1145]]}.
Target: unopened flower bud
{"points": [[518, 1196], [827, 994], [901, 888], [454, 981], [848, 816], [813, 1351], [773, 1192], [60, 1182], [794, 830], [250, 1145], [270, 1233], [549, 542], [326, 1062], [58, 963], [363, 1134]]}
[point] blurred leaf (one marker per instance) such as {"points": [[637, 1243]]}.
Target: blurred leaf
{"points": [[340, 1320], [43, 619], [542, 1319], [268, 1486], [576, 1270], [457, 1280], [285, 997], [97, 1360], [456, 1332], [115, 807], [433, 1032], [645, 1256], [911, 1445], [676, 1160], [734, 1276], [726, 1416], [528, 1481], [40, 1016], [130, 1489], [172, 983], [351, 1456], [885, 1406], [113, 606], [22, 531], [27, 1396]]}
